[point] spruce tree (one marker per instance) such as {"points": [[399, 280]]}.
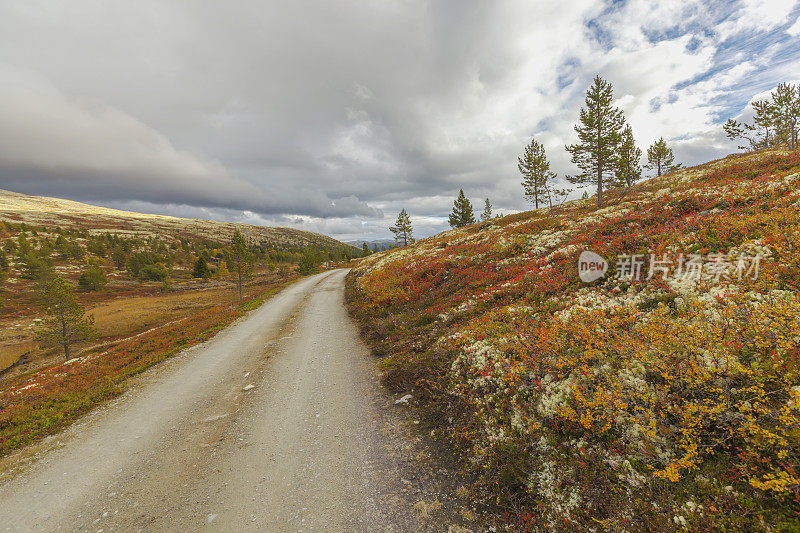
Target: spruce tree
{"points": [[65, 324], [660, 157], [487, 211], [402, 228], [462, 214], [536, 174], [599, 134], [628, 167]]}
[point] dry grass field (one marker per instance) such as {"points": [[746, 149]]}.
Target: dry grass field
{"points": [[119, 311]]}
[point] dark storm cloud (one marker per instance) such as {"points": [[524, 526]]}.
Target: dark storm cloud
{"points": [[325, 115]]}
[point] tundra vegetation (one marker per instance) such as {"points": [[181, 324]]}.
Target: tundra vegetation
{"points": [[112, 304], [651, 404]]}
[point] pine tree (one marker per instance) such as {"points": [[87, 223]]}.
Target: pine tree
{"points": [[65, 324], [23, 246], [93, 278], [536, 174], [201, 269], [462, 214], [487, 211], [239, 259], [763, 120], [4, 266], [402, 229], [628, 169], [309, 262], [785, 110], [734, 130], [775, 121], [364, 249], [660, 157], [598, 136]]}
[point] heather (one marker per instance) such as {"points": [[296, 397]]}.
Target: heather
{"points": [[655, 404]]}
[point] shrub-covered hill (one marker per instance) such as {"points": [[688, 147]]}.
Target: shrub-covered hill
{"points": [[669, 402], [41, 211]]}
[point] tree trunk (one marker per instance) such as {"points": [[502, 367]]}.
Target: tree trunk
{"points": [[599, 169], [64, 340], [599, 183]]}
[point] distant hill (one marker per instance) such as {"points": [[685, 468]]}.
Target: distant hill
{"points": [[56, 212], [381, 244]]}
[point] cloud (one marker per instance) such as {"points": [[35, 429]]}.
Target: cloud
{"points": [[795, 28], [330, 115]]}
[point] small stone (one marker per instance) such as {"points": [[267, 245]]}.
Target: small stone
{"points": [[403, 400]]}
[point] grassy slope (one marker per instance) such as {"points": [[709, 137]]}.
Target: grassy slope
{"points": [[653, 405]]}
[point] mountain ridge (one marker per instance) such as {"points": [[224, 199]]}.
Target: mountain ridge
{"points": [[50, 211]]}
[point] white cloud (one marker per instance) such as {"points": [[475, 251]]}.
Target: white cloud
{"points": [[794, 29], [756, 15]]}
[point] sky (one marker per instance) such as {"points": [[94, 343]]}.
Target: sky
{"points": [[331, 116]]}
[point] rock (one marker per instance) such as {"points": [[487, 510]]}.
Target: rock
{"points": [[248, 387], [403, 400]]}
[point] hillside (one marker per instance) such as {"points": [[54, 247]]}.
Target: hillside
{"points": [[52, 212], [381, 244], [663, 396]]}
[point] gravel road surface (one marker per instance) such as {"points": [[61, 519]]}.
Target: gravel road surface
{"points": [[279, 423]]}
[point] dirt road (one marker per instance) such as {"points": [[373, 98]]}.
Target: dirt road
{"points": [[279, 423]]}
